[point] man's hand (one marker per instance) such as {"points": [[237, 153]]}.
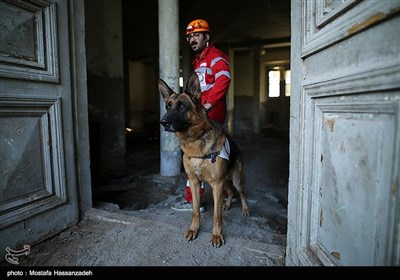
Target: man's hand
{"points": [[208, 106]]}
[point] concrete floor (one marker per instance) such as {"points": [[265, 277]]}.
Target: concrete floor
{"points": [[132, 223]]}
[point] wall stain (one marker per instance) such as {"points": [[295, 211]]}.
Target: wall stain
{"points": [[321, 218], [394, 188], [336, 255], [331, 124], [342, 147], [377, 17]]}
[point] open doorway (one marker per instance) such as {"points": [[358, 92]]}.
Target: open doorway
{"points": [[138, 187]]}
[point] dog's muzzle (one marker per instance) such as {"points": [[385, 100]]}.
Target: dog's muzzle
{"points": [[167, 125]]}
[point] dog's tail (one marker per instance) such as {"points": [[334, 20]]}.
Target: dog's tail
{"points": [[234, 151]]}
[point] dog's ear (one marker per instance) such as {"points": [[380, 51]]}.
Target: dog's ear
{"points": [[193, 86], [164, 89]]}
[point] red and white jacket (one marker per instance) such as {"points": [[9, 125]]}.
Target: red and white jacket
{"points": [[212, 68]]}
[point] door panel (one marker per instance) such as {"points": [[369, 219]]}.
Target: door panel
{"points": [[344, 180], [28, 44], [37, 183], [352, 175]]}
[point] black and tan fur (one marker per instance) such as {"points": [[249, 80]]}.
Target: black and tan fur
{"points": [[200, 141]]}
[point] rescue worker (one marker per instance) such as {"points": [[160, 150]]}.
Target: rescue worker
{"points": [[212, 67]]}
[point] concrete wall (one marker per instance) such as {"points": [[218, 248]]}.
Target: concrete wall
{"points": [[243, 99], [143, 99], [276, 55], [275, 112], [243, 73]]}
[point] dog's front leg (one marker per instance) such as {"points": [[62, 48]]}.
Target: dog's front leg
{"points": [[193, 230], [217, 239]]}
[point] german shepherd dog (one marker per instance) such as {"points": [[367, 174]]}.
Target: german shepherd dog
{"points": [[203, 143]]}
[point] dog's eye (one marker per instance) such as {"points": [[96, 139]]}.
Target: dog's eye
{"points": [[180, 106]]}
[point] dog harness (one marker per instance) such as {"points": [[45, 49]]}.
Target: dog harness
{"points": [[229, 152], [224, 153]]}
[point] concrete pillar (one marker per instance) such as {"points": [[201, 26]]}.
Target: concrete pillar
{"points": [[256, 87], [263, 94], [186, 62], [231, 93], [168, 32]]}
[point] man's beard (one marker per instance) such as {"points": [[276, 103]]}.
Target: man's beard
{"points": [[194, 47]]}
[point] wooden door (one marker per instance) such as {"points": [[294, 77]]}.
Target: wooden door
{"points": [[344, 133], [38, 195]]}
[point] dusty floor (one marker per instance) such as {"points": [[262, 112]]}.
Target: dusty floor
{"points": [[132, 223]]}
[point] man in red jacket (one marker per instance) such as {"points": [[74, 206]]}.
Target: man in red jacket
{"points": [[212, 67]]}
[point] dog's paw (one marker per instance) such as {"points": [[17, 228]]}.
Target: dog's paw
{"points": [[246, 212], [217, 240], [226, 206], [190, 235]]}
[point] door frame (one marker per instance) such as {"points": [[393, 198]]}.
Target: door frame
{"points": [[76, 14]]}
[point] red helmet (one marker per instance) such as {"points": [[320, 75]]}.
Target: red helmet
{"points": [[197, 25]]}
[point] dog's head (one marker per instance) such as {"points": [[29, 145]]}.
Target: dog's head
{"points": [[182, 109]]}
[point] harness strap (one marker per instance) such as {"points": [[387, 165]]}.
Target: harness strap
{"points": [[213, 156]]}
